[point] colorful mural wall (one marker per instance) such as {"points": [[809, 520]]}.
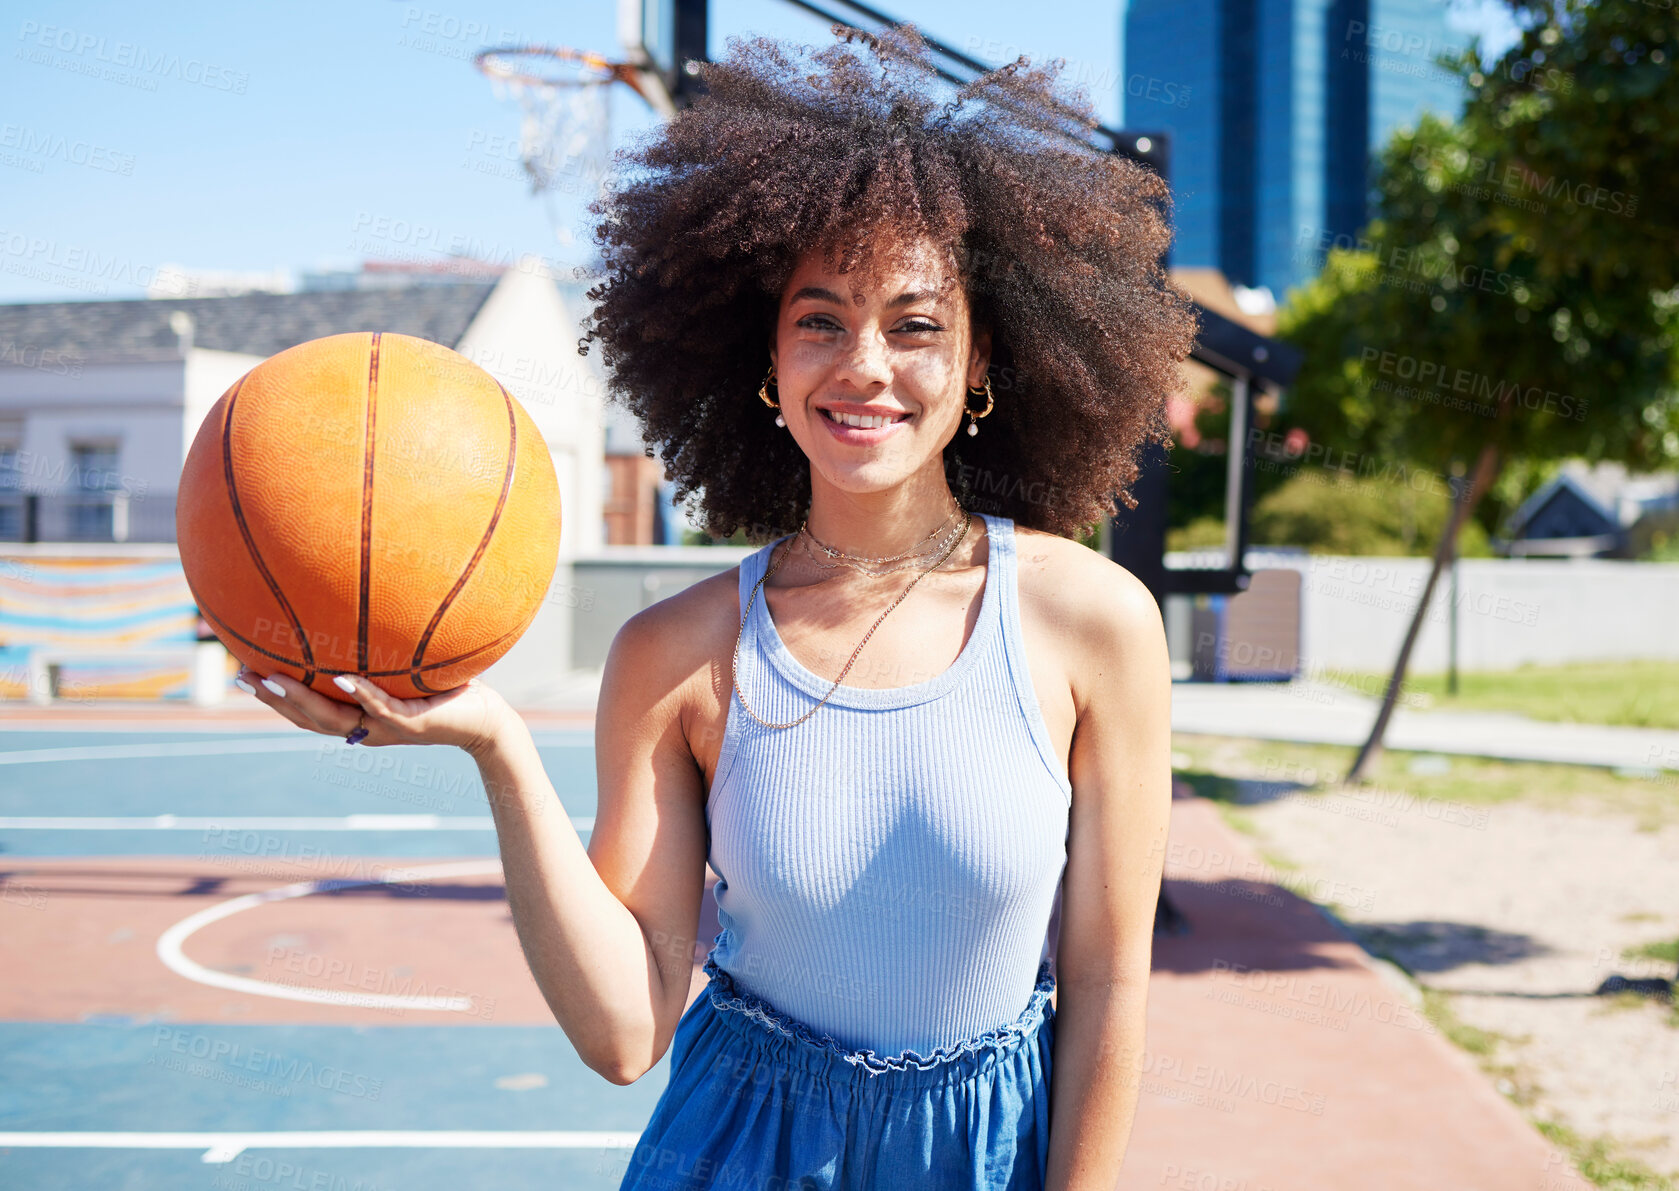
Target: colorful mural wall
{"points": [[113, 628]]}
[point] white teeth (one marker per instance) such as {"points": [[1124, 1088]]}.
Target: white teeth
{"points": [[860, 421]]}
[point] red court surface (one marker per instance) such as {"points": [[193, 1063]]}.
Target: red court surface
{"points": [[1280, 1058]]}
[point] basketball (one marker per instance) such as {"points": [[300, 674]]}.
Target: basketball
{"points": [[370, 504]]}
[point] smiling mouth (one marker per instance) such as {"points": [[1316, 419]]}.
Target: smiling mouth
{"points": [[862, 423]]}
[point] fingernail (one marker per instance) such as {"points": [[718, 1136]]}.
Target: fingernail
{"points": [[275, 687], [244, 686], [344, 684]]}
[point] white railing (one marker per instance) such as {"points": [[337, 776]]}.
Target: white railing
{"points": [[78, 516]]}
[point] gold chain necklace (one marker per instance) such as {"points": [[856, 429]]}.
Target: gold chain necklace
{"points": [[734, 663], [915, 556], [920, 548]]}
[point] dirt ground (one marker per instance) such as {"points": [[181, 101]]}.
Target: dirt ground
{"points": [[1516, 912]]}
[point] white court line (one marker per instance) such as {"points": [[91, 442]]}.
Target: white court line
{"points": [[261, 823], [275, 727], [221, 1148], [170, 942], [240, 746], [176, 748]]}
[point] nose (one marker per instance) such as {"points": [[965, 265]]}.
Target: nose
{"points": [[863, 363]]}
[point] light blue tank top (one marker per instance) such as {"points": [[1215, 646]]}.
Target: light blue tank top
{"points": [[888, 868]]}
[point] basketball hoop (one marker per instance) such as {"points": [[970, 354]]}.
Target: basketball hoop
{"points": [[563, 94]]}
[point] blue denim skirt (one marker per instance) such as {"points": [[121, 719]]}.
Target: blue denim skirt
{"points": [[757, 1100]]}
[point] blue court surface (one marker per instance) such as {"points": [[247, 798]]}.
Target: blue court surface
{"points": [[148, 1100]]}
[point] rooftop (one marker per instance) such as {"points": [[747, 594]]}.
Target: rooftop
{"points": [[257, 324]]}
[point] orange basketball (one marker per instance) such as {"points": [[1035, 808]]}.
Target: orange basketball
{"points": [[369, 504]]}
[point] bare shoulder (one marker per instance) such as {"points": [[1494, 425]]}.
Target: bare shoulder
{"points": [[1082, 587], [1101, 615]]}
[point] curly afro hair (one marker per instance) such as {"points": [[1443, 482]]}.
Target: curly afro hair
{"points": [[1057, 245]]}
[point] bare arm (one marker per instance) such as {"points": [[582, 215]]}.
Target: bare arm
{"points": [[608, 931], [1120, 766]]}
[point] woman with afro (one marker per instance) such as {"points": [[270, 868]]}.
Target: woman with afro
{"points": [[913, 344]]}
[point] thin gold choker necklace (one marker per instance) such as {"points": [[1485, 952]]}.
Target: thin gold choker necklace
{"points": [[878, 572], [922, 549]]}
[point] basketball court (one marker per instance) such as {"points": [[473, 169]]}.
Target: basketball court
{"points": [[243, 957], [240, 957]]}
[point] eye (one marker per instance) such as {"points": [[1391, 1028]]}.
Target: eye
{"points": [[818, 322], [919, 325]]}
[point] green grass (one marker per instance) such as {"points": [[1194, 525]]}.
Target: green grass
{"points": [[1513, 1080], [1667, 953], [1235, 772], [1630, 694], [1621, 1002], [1600, 1160], [1437, 1008], [1237, 820]]}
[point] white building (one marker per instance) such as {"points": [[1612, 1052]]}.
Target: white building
{"points": [[100, 401]]}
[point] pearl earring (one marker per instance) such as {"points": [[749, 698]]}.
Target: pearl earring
{"points": [[764, 396], [973, 423]]}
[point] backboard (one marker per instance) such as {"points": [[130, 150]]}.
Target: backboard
{"points": [[662, 37], [647, 32]]}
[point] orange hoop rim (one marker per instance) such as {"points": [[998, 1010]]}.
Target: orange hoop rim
{"points": [[607, 70]]}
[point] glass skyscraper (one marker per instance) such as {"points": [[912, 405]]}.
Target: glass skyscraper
{"points": [[1275, 110]]}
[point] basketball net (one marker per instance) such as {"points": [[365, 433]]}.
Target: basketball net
{"points": [[565, 131], [564, 134]]}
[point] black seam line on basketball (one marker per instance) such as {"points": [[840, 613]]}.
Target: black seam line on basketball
{"points": [[400, 672], [308, 662], [367, 504], [483, 542]]}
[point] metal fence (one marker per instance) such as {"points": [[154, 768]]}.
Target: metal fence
{"points": [[116, 516]]}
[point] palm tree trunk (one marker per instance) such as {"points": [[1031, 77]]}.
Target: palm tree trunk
{"points": [[1481, 478]]}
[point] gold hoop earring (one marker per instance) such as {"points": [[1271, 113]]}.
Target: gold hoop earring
{"points": [[764, 396], [973, 427]]}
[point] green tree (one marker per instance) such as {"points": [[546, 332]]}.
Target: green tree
{"points": [[1582, 109], [1331, 513], [1451, 337]]}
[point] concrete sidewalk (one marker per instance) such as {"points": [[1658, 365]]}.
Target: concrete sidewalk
{"points": [[1281, 1057], [1315, 712]]}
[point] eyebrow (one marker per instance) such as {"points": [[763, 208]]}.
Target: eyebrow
{"points": [[907, 298]]}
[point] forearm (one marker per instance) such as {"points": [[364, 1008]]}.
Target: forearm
{"points": [[1094, 1083], [587, 952]]}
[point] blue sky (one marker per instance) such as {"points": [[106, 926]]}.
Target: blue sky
{"points": [[270, 136]]}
